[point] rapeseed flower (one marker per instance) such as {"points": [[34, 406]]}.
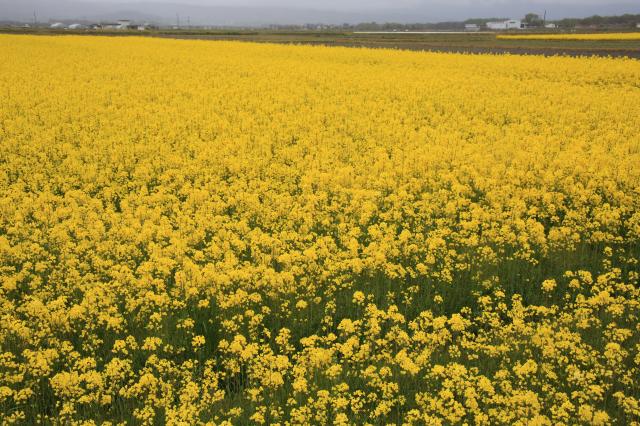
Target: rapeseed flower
{"points": [[235, 233]]}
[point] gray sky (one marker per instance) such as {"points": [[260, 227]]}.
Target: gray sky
{"points": [[371, 4], [248, 12]]}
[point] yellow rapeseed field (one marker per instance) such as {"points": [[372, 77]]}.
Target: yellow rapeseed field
{"points": [[587, 37], [198, 232]]}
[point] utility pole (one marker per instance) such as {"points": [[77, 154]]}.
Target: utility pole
{"points": [[35, 18], [544, 19], [178, 20]]}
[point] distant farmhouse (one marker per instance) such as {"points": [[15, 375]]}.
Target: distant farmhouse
{"points": [[511, 24], [123, 24]]}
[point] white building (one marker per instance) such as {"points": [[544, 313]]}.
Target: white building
{"points": [[511, 24], [551, 26], [471, 27], [124, 24], [76, 26], [58, 25]]}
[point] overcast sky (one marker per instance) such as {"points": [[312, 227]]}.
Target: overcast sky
{"points": [[240, 12], [367, 4]]}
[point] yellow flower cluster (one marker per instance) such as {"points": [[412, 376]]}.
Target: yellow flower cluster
{"points": [[589, 36], [226, 233]]}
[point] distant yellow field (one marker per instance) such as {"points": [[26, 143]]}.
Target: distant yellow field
{"points": [[197, 232], [594, 37]]}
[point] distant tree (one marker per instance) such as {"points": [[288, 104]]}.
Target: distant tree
{"points": [[533, 20], [626, 20]]}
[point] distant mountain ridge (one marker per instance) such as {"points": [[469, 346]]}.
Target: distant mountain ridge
{"points": [[165, 13]]}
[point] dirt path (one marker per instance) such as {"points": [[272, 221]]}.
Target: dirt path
{"points": [[426, 46]]}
